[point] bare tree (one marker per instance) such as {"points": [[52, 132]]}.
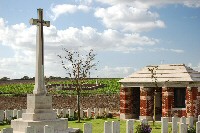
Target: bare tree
{"points": [[155, 80], [78, 67]]}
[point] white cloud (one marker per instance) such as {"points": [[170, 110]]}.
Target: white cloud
{"points": [[149, 3], [167, 50], [84, 2], [135, 16], [58, 10], [22, 40], [114, 72], [129, 18]]}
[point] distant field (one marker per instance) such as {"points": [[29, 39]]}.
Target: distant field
{"points": [[22, 87]]}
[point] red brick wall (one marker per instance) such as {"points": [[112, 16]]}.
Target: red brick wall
{"points": [[167, 101], [191, 101], [146, 101], [125, 100], [179, 113], [197, 103]]}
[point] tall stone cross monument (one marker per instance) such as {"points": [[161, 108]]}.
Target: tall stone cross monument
{"points": [[39, 110], [39, 88]]}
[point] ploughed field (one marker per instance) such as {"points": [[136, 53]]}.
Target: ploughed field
{"points": [[13, 94]]}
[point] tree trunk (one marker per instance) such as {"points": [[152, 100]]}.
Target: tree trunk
{"points": [[78, 105]]}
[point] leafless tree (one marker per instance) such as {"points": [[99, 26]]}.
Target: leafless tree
{"points": [[78, 67], [155, 80]]}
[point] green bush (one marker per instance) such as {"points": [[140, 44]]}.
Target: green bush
{"points": [[191, 130]]}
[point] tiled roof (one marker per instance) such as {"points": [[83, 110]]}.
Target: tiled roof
{"points": [[164, 73]]}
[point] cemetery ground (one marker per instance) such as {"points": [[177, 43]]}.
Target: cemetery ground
{"points": [[98, 125]]}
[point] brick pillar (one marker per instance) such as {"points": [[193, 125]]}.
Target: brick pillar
{"points": [[191, 101], [146, 103], [167, 101], [125, 103], [198, 102]]}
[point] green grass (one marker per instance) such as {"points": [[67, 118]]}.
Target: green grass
{"points": [[98, 125], [4, 126], [112, 87]]}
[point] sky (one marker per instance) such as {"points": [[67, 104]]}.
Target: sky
{"points": [[126, 35]]}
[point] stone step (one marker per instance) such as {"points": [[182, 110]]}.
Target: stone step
{"points": [[39, 116], [39, 111]]}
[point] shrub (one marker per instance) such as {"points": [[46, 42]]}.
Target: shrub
{"points": [[109, 115], [143, 128], [191, 130]]}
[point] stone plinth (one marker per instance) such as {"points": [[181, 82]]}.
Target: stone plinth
{"points": [[38, 114]]}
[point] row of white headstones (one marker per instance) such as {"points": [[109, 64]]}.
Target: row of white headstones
{"points": [[114, 126], [109, 126], [9, 114]]}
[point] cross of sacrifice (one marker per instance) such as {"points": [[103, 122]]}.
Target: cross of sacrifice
{"points": [[39, 88]]}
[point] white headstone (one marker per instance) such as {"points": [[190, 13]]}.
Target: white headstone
{"points": [[19, 114], [106, 110], [8, 114], [129, 126], [183, 119], [101, 111], [7, 130], [190, 121], [64, 112], [81, 113], [183, 128], [198, 117], [71, 112], [115, 127], [15, 113], [58, 112], [48, 129], [95, 112], [198, 127], [107, 127], [87, 128], [88, 113], [164, 124], [174, 125], [1, 115], [30, 129]]}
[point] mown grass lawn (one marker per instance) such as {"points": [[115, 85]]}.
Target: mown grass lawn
{"points": [[98, 125]]}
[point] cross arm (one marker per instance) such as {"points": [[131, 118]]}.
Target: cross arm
{"points": [[36, 22]]}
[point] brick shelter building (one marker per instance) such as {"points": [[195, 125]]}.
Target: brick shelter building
{"points": [[175, 87]]}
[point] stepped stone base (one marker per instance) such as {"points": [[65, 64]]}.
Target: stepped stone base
{"points": [[38, 114], [20, 125]]}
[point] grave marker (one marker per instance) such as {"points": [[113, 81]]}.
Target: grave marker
{"points": [[164, 126], [107, 127], [129, 126], [1, 115], [115, 127], [174, 125], [87, 128]]}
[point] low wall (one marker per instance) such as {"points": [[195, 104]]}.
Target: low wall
{"points": [[92, 101]]}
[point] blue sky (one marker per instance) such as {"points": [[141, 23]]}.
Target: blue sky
{"points": [[126, 35]]}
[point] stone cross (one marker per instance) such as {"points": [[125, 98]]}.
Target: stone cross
{"points": [[39, 88]]}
